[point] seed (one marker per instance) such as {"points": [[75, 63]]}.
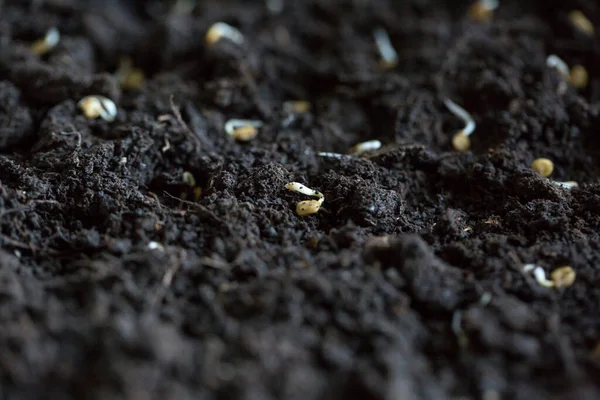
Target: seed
{"points": [[50, 41], [581, 22], [245, 133], [242, 130], [482, 10], [563, 276], [461, 142], [129, 77], [543, 166], [296, 107], [308, 207], [98, 106], [220, 30], [579, 76], [389, 56]]}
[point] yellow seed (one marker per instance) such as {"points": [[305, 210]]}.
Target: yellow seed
{"points": [[91, 107], [563, 276], [39, 47], [245, 133], [213, 35], [480, 12], [134, 80], [579, 76], [197, 193], [581, 22], [543, 166], [461, 142], [297, 106], [308, 207]]}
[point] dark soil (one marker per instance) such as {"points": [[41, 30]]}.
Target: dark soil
{"points": [[385, 293]]}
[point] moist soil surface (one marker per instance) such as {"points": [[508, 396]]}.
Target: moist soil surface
{"points": [[121, 279]]}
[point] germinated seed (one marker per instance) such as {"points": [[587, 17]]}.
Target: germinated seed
{"points": [[98, 106]]}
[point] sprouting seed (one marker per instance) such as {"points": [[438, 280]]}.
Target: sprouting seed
{"points": [[220, 30], [363, 147], [563, 276], [461, 141], [50, 41], [566, 185], [389, 56], [579, 76], [128, 76], [543, 166], [306, 207], [482, 10], [189, 179], [98, 106], [242, 130], [296, 106], [554, 61], [581, 22]]}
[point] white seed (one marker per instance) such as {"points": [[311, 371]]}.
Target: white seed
{"points": [[364, 147], [220, 30], [554, 61], [233, 124], [462, 114], [566, 185], [388, 54], [98, 106]]}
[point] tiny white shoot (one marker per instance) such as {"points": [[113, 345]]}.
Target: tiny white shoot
{"points": [[540, 277], [332, 155], [363, 147], [300, 188], [220, 30], [384, 46], [554, 61], [566, 185], [463, 115]]}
